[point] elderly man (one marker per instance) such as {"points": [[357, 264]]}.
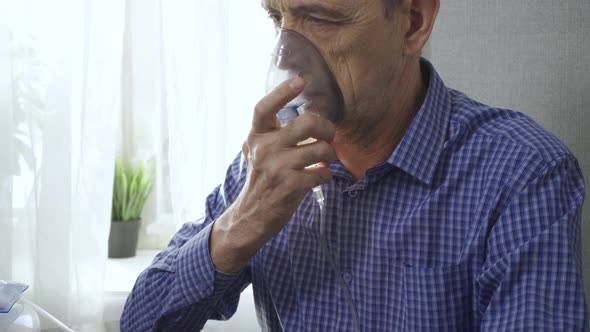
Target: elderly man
{"points": [[441, 213]]}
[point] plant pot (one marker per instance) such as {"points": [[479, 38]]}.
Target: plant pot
{"points": [[123, 238]]}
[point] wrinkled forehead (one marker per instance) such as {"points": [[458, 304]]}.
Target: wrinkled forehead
{"points": [[287, 5]]}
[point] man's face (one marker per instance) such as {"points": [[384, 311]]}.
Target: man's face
{"points": [[361, 45]]}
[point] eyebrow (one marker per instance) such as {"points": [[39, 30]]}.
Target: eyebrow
{"points": [[304, 10], [317, 9]]}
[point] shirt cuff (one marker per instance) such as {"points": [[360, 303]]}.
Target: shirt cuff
{"points": [[198, 278]]}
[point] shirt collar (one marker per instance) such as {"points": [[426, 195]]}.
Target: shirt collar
{"points": [[420, 149]]}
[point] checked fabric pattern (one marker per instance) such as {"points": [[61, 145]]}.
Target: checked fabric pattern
{"points": [[472, 223]]}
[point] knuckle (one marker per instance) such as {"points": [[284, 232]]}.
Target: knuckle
{"points": [[273, 169], [260, 156], [303, 127], [307, 120], [263, 151], [324, 149], [250, 138], [257, 118], [246, 153], [309, 154], [252, 163], [273, 173], [245, 148], [259, 112], [283, 92], [259, 108], [255, 157], [312, 154]]}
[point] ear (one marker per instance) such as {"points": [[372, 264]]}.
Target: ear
{"points": [[422, 14]]}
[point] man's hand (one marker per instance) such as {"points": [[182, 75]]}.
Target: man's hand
{"points": [[277, 178]]}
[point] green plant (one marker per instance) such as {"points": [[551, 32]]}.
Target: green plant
{"points": [[132, 186]]}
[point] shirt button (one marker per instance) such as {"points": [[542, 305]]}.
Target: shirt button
{"points": [[353, 193], [347, 276]]}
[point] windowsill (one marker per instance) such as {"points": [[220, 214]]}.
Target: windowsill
{"points": [[121, 273]]}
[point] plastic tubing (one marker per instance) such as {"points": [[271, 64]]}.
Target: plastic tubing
{"points": [[319, 197]]}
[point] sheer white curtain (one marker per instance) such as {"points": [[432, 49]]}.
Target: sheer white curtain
{"points": [[60, 73], [196, 47], [216, 54], [193, 71]]}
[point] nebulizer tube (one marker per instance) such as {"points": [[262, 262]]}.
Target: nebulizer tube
{"points": [[319, 197], [294, 55]]}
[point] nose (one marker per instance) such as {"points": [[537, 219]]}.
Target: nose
{"points": [[290, 52], [282, 57]]}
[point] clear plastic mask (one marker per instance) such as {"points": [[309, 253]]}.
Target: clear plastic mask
{"points": [[294, 55]]}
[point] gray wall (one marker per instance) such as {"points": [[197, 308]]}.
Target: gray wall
{"points": [[531, 56]]}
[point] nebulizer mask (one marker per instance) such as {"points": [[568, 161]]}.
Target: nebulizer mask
{"points": [[294, 55]]}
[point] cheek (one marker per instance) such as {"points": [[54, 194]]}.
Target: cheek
{"points": [[340, 58], [366, 69], [348, 81], [352, 72]]}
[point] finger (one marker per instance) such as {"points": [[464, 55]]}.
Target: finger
{"points": [[314, 176], [311, 154], [301, 182], [306, 126], [265, 111]]}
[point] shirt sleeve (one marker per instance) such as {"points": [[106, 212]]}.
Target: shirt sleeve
{"points": [[181, 289], [532, 276]]}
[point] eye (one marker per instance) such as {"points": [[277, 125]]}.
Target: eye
{"points": [[276, 18], [315, 19], [320, 21]]}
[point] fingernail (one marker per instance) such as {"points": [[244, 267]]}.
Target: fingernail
{"points": [[297, 83]]}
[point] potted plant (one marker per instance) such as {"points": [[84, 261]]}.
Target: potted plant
{"points": [[132, 186]]}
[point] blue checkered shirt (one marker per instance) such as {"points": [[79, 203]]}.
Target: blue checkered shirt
{"points": [[472, 223]]}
